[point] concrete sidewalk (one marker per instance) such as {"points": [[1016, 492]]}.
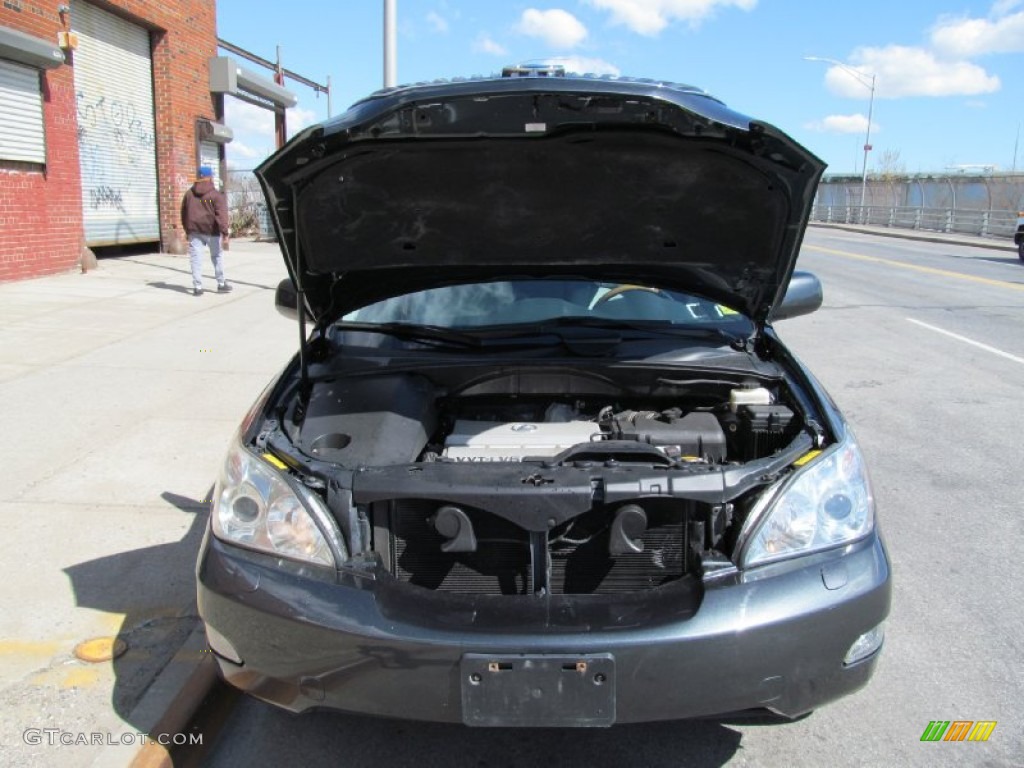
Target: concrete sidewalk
{"points": [[120, 391], [972, 241]]}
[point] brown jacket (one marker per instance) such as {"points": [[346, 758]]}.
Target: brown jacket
{"points": [[204, 210]]}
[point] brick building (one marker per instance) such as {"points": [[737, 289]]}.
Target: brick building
{"points": [[105, 113]]}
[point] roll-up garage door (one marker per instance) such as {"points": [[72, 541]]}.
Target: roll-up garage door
{"points": [[116, 128], [21, 114]]}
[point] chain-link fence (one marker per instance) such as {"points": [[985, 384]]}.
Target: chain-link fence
{"points": [[247, 208], [965, 204]]}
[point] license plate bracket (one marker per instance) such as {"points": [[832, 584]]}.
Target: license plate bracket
{"points": [[531, 691]]}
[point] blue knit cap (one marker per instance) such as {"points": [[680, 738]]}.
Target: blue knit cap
{"points": [[205, 172]]}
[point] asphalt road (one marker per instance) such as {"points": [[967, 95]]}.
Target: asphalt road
{"points": [[921, 345]]}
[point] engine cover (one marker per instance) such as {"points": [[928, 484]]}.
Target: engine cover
{"points": [[511, 441]]}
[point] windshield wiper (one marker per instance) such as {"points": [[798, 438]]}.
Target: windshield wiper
{"points": [[558, 330], [414, 332], [657, 327]]}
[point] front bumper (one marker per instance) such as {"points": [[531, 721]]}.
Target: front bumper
{"points": [[774, 639]]}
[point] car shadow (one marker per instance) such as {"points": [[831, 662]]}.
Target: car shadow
{"points": [[996, 259], [154, 589], [367, 740]]}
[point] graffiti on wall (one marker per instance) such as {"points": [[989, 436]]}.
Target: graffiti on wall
{"points": [[106, 197], [116, 149]]}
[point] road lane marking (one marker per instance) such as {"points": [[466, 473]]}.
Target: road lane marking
{"points": [[964, 339], [28, 647], [918, 268]]}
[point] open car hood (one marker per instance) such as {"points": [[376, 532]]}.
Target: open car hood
{"points": [[621, 179]]}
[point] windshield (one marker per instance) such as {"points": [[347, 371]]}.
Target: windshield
{"points": [[532, 302]]}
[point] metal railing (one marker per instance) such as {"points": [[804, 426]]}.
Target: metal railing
{"points": [[997, 224]]}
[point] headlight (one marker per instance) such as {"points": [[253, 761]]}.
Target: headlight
{"points": [[825, 504], [255, 507]]}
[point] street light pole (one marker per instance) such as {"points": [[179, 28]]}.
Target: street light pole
{"points": [[867, 147], [870, 85], [390, 45]]}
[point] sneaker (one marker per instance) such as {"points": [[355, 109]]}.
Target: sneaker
{"points": [[197, 291], [225, 287]]}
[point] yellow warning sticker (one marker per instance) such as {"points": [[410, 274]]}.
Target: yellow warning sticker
{"points": [[274, 461], [807, 457]]}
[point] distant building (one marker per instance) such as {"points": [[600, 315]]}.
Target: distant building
{"points": [[105, 114]]}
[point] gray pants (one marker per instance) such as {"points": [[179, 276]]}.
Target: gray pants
{"points": [[196, 242]]}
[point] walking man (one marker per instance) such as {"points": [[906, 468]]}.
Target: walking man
{"points": [[204, 217]]}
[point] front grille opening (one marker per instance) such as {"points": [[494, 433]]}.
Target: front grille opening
{"points": [[577, 561], [500, 566], [582, 565]]}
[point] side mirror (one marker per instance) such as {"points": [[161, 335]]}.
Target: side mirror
{"points": [[803, 296], [286, 299]]}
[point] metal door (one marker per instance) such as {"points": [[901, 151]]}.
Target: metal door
{"points": [[116, 128], [21, 114]]}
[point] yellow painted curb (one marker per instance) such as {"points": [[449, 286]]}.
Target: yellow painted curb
{"points": [[178, 714]]}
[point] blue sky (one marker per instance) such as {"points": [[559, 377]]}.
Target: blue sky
{"points": [[949, 73]]}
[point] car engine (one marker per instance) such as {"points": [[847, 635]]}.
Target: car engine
{"points": [[695, 435], [514, 441]]}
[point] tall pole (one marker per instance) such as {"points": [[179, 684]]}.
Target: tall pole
{"points": [[390, 52], [867, 148], [280, 128], [861, 78], [1016, 142]]}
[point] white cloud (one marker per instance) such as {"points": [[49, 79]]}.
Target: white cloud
{"points": [[438, 22], [964, 37], [842, 82], [299, 118], [238, 154], [1003, 7], [649, 17], [856, 123], [242, 150], [584, 65], [484, 44], [243, 117], [557, 28], [254, 130], [907, 71]]}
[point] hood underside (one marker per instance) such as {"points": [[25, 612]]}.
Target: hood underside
{"points": [[490, 179]]}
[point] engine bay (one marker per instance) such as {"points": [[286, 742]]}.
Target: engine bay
{"points": [[538, 481], [400, 419]]}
